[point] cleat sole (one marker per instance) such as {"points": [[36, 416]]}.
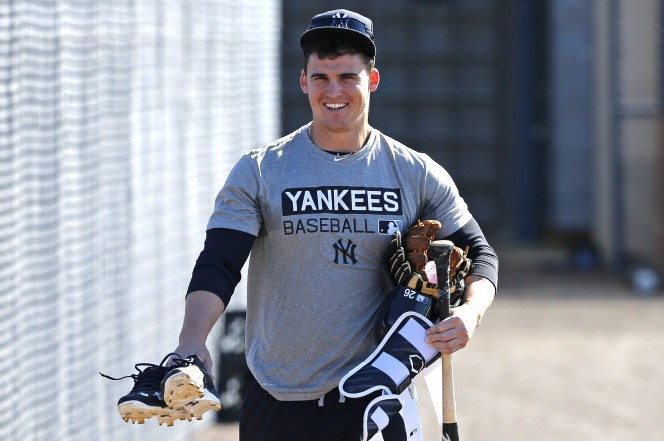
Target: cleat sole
{"points": [[175, 414], [183, 387], [197, 408], [137, 412]]}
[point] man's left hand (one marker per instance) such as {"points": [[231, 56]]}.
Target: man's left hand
{"points": [[455, 332]]}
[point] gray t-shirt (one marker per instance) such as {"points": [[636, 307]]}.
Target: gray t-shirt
{"points": [[317, 272]]}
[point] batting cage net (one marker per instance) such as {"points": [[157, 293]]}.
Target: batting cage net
{"points": [[119, 121]]}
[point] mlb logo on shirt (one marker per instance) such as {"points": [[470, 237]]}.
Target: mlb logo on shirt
{"points": [[389, 226]]}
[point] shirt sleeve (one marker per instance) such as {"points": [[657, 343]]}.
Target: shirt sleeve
{"points": [[483, 256], [218, 266], [237, 205], [442, 200]]}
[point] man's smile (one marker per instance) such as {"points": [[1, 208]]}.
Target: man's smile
{"points": [[335, 106]]}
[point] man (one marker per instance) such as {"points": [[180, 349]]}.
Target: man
{"points": [[317, 209]]}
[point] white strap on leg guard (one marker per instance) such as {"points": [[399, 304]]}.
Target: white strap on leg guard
{"points": [[383, 420]]}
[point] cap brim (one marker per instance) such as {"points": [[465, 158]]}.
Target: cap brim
{"points": [[368, 46]]}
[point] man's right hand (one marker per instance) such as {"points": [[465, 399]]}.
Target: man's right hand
{"points": [[202, 310], [186, 349]]}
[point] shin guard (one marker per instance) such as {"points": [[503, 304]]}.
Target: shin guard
{"points": [[401, 355]]}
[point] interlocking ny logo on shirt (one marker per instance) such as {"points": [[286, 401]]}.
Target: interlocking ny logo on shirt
{"points": [[347, 252]]}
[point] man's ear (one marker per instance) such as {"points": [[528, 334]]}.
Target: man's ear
{"points": [[374, 79], [303, 82]]}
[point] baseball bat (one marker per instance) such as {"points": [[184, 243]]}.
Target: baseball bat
{"points": [[441, 251]]}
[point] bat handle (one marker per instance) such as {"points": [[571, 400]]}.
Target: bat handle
{"points": [[441, 251], [450, 427]]}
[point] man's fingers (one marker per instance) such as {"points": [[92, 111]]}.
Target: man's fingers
{"points": [[449, 346], [445, 325], [448, 336], [186, 350], [207, 362]]}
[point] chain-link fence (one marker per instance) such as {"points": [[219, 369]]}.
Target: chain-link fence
{"points": [[118, 123], [627, 116]]}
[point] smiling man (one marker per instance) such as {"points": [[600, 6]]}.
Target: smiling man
{"points": [[339, 90], [317, 210]]}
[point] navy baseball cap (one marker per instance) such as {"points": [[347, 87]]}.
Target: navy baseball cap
{"points": [[342, 20]]}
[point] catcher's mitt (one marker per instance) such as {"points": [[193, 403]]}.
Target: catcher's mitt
{"points": [[409, 259]]}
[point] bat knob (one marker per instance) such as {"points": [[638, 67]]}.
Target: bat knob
{"points": [[440, 248]]}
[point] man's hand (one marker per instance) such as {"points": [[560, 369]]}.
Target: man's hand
{"points": [[185, 349], [202, 310], [455, 332]]}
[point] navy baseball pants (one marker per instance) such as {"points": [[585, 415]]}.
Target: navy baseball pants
{"points": [[264, 418]]}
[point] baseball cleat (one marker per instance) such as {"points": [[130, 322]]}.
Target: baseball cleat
{"points": [[188, 386], [145, 401]]}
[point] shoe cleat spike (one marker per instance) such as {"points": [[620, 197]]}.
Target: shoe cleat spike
{"points": [[189, 386]]}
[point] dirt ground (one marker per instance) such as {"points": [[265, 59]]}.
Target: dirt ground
{"points": [[561, 355]]}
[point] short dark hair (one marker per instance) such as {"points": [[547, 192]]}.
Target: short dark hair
{"points": [[333, 46]]}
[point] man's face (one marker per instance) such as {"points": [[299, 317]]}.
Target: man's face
{"points": [[338, 91]]}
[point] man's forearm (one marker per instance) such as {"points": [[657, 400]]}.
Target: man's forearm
{"points": [[479, 295], [202, 310]]}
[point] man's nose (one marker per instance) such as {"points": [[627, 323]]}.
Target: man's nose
{"points": [[333, 89]]}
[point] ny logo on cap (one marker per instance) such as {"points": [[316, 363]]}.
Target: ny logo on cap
{"points": [[340, 23]]}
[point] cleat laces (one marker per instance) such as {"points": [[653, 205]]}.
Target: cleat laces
{"points": [[149, 378]]}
